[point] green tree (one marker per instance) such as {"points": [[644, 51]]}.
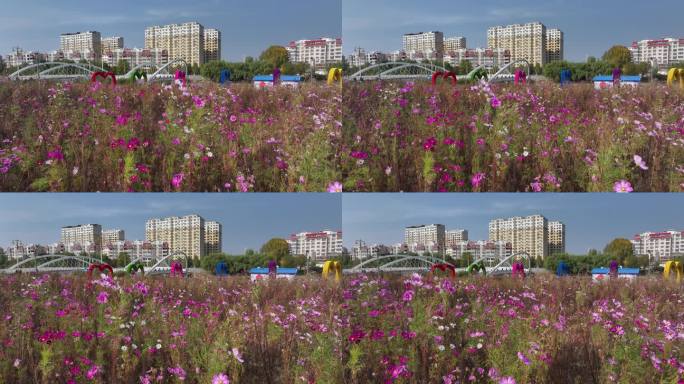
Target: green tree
{"points": [[618, 56], [620, 249], [3, 259], [123, 259], [275, 55], [464, 67], [122, 67], [276, 249]]}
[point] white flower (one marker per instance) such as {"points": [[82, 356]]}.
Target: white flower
{"points": [[124, 348], [143, 322], [441, 348], [158, 346], [134, 346], [479, 345], [16, 363], [526, 153], [74, 171], [210, 154]]}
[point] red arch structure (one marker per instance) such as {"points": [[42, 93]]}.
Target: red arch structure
{"points": [[180, 75], [520, 77], [518, 270], [103, 75], [444, 268], [101, 268], [176, 269], [444, 75]]}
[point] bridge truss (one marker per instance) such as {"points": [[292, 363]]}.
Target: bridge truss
{"points": [[396, 263]]}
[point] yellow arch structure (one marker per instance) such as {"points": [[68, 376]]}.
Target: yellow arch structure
{"points": [[675, 74], [332, 266], [335, 74], [676, 268]]}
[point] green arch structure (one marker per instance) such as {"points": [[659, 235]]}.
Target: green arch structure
{"points": [[478, 75], [476, 268], [138, 74], [132, 269]]}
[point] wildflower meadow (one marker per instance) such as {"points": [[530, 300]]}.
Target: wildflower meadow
{"points": [[362, 329], [154, 137], [541, 137]]}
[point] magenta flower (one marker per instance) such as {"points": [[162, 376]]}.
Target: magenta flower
{"points": [[121, 120], [102, 297], [429, 144], [623, 186], [523, 358], [640, 162], [407, 296], [92, 372], [56, 154], [507, 380], [536, 186], [476, 180], [496, 103], [177, 180], [220, 378], [335, 187]]}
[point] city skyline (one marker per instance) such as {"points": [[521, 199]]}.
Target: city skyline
{"points": [[246, 28], [590, 28], [248, 220], [381, 218]]}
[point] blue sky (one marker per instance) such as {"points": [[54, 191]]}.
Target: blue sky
{"points": [[249, 220], [248, 27], [591, 219], [591, 27]]}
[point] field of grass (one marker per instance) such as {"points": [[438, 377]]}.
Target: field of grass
{"points": [[364, 329], [404, 136], [152, 137]]}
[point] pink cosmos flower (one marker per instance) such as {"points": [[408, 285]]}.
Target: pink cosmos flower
{"points": [[102, 297], [496, 103], [220, 378], [507, 380], [640, 162], [476, 180], [92, 372], [177, 180], [335, 187], [623, 186], [407, 296]]}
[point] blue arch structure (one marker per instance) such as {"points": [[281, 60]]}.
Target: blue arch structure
{"points": [[221, 269], [225, 76], [565, 76], [563, 269]]}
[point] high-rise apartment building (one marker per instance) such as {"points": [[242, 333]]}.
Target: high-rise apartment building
{"points": [[455, 236], [318, 52], [526, 41], [424, 45], [183, 234], [317, 246], [554, 45], [489, 58], [665, 52], [137, 250], [82, 238], [361, 250], [213, 235], [111, 236], [556, 237], [454, 43], [109, 44], [426, 237], [137, 56], [87, 44], [528, 234], [488, 251], [659, 246], [181, 41], [212, 45]]}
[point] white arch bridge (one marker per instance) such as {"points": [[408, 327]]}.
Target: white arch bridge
{"points": [[61, 71], [73, 264], [422, 264], [397, 70]]}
